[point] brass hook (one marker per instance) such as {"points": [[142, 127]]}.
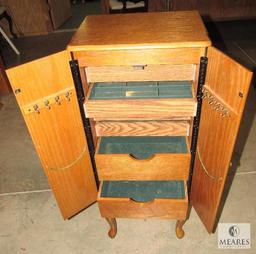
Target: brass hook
{"points": [[36, 108]]}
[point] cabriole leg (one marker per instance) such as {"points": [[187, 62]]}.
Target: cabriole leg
{"points": [[179, 231], [113, 227]]}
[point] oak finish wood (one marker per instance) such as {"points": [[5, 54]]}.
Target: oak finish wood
{"points": [[157, 208], [217, 134], [84, 80], [57, 133], [142, 128], [141, 30], [113, 227], [142, 56], [138, 108], [147, 109], [140, 73], [179, 230], [175, 118], [231, 88], [154, 39], [162, 166]]}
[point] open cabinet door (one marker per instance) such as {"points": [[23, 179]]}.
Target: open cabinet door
{"points": [[47, 99], [225, 92]]}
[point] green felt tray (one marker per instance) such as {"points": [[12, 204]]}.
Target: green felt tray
{"points": [[143, 191], [140, 90], [142, 147]]}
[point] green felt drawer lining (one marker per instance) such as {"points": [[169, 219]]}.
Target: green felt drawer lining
{"points": [[142, 147], [143, 191], [140, 90]]}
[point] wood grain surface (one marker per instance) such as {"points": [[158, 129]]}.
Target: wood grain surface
{"points": [[140, 73], [141, 30], [139, 56], [217, 134], [142, 128], [162, 166], [157, 208], [145, 109], [138, 108], [177, 118], [57, 132]]}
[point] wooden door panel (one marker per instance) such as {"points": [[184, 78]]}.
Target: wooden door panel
{"points": [[46, 96], [225, 93]]}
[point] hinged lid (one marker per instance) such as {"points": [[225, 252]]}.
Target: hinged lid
{"points": [[141, 30]]}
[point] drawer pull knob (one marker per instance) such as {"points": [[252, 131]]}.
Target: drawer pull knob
{"points": [[139, 67], [146, 202], [142, 158]]}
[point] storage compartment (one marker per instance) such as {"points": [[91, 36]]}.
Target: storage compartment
{"points": [[136, 199], [163, 99], [142, 158], [139, 56], [140, 90], [160, 72]]}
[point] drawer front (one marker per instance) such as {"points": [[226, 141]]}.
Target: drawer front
{"points": [[140, 73], [141, 100], [156, 208], [141, 109], [139, 56], [142, 128], [161, 166]]}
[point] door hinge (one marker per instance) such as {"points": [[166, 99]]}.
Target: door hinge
{"points": [[196, 122]]}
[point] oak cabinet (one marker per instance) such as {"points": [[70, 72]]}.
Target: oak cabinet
{"points": [[140, 113]]}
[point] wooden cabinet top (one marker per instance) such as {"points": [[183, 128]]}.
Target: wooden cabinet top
{"points": [[141, 30]]}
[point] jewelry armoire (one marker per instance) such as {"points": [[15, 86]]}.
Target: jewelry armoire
{"points": [[140, 113]]}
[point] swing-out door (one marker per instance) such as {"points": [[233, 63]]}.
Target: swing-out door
{"points": [[46, 96], [225, 92]]}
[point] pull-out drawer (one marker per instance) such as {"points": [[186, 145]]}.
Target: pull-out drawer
{"points": [[143, 199], [142, 128], [160, 72], [139, 56], [142, 158], [141, 100]]}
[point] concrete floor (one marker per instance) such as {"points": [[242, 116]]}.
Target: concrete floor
{"points": [[29, 218]]}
